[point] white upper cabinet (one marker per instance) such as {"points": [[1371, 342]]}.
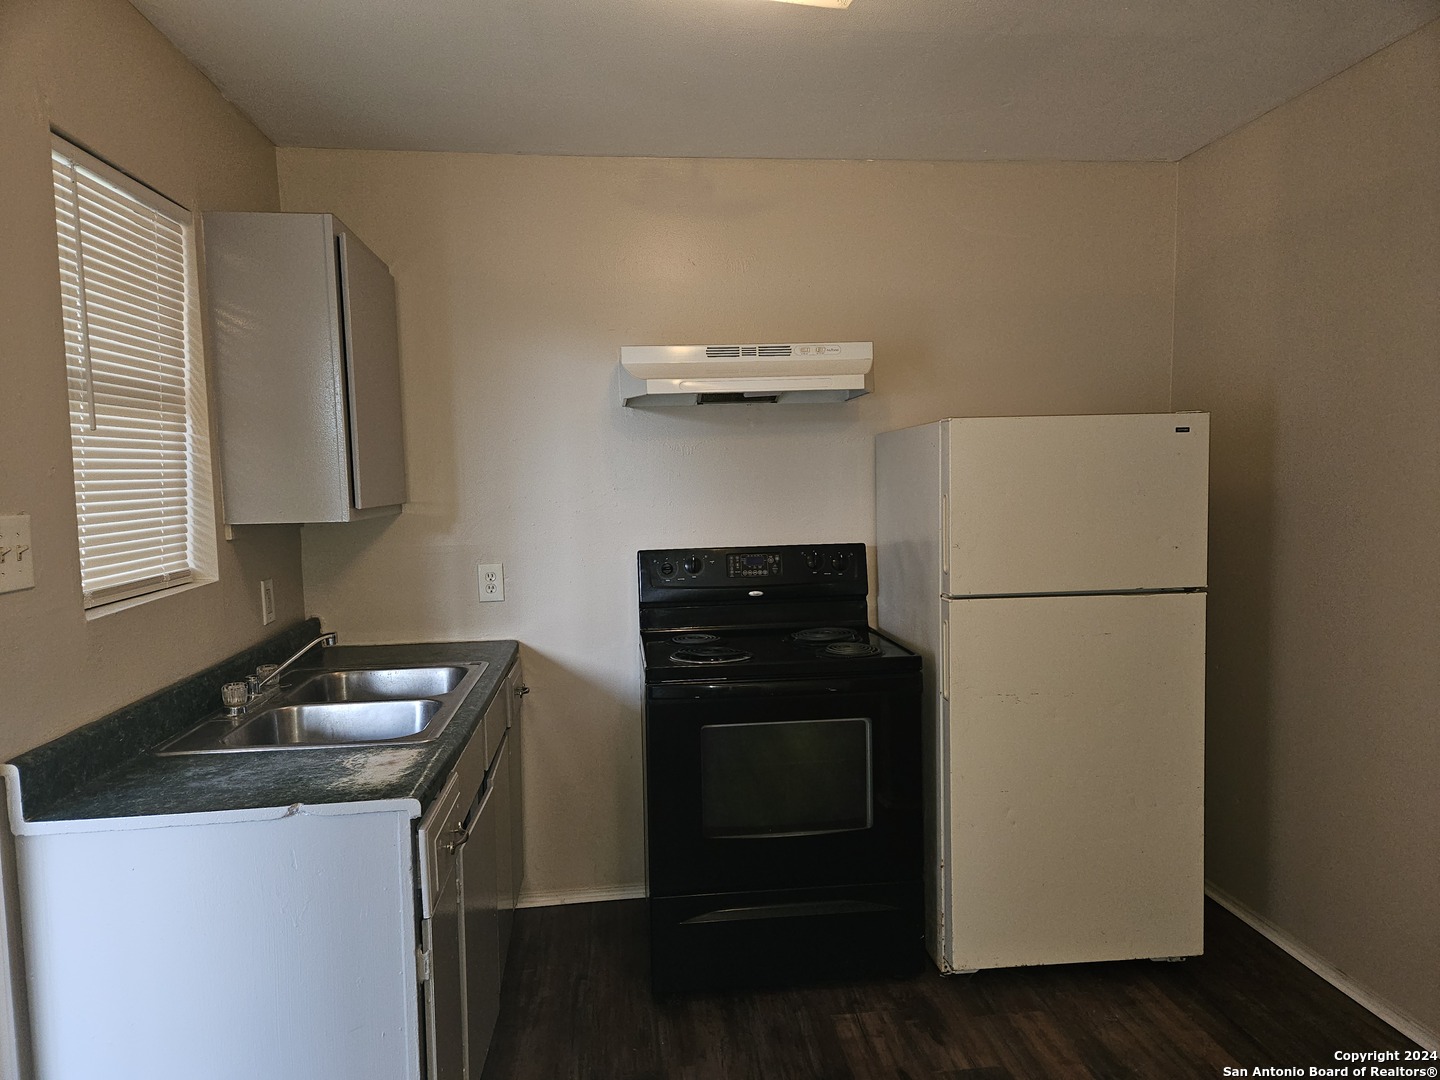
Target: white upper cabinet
{"points": [[306, 362]]}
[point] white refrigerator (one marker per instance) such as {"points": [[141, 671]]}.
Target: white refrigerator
{"points": [[1051, 572]]}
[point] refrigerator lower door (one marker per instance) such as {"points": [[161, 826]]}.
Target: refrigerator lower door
{"points": [[1074, 814]]}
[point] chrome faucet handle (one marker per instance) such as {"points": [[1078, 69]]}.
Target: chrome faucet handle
{"points": [[235, 696]]}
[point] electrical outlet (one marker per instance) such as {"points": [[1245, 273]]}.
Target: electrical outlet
{"points": [[267, 601], [17, 561], [492, 582]]}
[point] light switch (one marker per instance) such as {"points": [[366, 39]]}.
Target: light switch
{"points": [[17, 561]]}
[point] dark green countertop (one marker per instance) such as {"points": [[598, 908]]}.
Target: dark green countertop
{"points": [[142, 784]]}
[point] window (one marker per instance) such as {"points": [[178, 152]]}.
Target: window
{"points": [[138, 426]]}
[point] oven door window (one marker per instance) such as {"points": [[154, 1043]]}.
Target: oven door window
{"points": [[787, 778]]}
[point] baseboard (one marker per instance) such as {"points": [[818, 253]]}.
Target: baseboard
{"points": [[1402, 1022], [529, 898]]}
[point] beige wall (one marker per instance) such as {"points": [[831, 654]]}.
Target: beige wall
{"points": [[99, 73], [1308, 322], [986, 289]]}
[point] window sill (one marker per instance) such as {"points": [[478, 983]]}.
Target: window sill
{"points": [[117, 606]]}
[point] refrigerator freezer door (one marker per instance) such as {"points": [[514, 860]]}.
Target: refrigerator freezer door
{"points": [[1062, 504], [1076, 801]]}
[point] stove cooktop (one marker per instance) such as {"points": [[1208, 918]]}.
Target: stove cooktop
{"points": [[771, 652]]}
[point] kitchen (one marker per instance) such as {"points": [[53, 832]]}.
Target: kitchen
{"points": [[1243, 280]]}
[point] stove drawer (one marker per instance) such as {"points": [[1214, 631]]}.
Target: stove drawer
{"points": [[748, 939]]}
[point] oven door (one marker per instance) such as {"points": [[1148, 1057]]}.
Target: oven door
{"points": [[785, 784]]}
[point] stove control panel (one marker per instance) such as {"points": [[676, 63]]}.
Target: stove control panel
{"points": [[752, 565], [773, 568]]}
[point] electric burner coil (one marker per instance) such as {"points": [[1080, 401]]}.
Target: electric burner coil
{"points": [[710, 654], [824, 635], [852, 649]]}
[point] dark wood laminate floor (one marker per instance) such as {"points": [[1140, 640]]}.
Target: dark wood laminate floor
{"points": [[577, 1004]]}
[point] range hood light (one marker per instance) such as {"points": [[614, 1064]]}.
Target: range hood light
{"points": [[819, 3]]}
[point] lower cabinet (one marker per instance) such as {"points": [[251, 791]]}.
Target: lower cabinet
{"points": [[469, 846], [480, 903], [306, 942], [509, 783], [445, 993]]}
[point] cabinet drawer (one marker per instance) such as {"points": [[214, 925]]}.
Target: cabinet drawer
{"points": [[494, 723], [443, 826], [441, 830]]}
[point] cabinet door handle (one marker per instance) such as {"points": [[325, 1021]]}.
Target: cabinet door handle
{"points": [[521, 691], [457, 837]]}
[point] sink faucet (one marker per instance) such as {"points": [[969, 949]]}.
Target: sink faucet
{"points": [[257, 682]]}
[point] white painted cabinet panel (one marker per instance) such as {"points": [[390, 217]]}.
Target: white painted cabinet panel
{"points": [[308, 912]]}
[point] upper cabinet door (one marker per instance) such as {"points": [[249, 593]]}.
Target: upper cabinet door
{"points": [[275, 360], [372, 356], [307, 369], [1074, 504]]}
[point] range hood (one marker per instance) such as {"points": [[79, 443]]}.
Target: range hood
{"points": [[794, 373]]}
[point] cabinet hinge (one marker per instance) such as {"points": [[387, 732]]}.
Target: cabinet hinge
{"points": [[422, 964]]}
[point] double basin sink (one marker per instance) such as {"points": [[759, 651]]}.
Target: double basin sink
{"points": [[345, 707]]}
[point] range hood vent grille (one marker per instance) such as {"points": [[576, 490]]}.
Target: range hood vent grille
{"points": [[782, 373], [721, 352]]}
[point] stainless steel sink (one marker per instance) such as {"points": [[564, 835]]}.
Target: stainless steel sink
{"points": [[379, 706], [335, 722], [376, 684]]}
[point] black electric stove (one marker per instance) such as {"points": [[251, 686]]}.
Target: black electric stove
{"points": [[782, 769]]}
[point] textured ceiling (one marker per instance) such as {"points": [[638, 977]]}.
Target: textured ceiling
{"points": [[1108, 80]]}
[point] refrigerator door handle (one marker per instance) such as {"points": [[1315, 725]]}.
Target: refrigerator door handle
{"points": [[943, 660], [944, 470], [945, 543]]}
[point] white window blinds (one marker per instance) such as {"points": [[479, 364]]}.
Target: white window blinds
{"points": [[137, 405]]}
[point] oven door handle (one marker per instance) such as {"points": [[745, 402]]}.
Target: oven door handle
{"points": [[801, 910]]}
